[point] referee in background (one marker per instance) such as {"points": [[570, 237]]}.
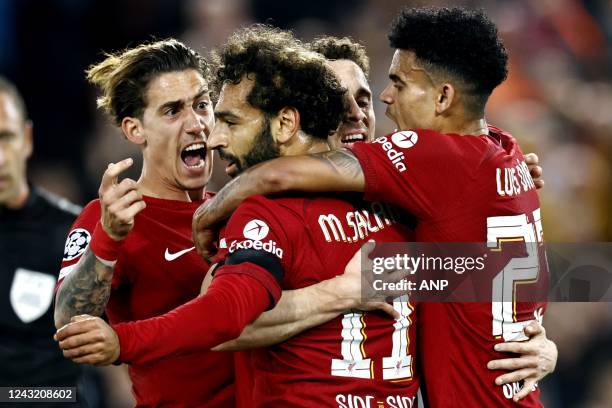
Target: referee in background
{"points": [[33, 227]]}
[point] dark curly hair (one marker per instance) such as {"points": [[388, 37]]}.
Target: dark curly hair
{"points": [[457, 42], [124, 76], [285, 74], [334, 48]]}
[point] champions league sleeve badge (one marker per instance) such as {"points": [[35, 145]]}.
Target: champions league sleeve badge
{"points": [[76, 243]]}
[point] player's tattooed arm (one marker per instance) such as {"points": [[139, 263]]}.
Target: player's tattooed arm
{"points": [[337, 170], [345, 169], [85, 290]]}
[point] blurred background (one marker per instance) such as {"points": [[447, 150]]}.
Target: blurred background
{"points": [[557, 101]]}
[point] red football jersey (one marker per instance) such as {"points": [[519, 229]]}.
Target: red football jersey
{"points": [[356, 360], [156, 271], [464, 189]]}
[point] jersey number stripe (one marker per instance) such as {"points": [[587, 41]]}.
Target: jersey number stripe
{"points": [[517, 271], [355, 363]]}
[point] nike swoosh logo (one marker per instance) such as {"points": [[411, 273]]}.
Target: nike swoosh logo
{"points": [[172, 257]]}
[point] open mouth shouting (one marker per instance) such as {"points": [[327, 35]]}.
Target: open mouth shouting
{"points": [[194, 156]]}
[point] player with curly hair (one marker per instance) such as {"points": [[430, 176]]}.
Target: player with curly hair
{"points": [[237, 145], [463, 179], [286, 75], [278, 99]]}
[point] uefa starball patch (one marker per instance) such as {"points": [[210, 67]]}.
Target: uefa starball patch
{"points": [[76, 243]]}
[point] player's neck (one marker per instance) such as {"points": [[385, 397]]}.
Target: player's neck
{"points": [[169, 192], [474, 127], [157, 187], [318, 146], [305, 145]]}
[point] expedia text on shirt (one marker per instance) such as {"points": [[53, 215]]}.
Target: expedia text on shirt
{"points": [[396, 156], [269, 246]]}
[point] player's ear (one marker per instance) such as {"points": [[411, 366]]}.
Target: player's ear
{"points": [[445, 97], [286, 124], [132, 129]]}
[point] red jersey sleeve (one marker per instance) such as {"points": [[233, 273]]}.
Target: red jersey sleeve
{"points": [[253, 249], [79, 237], [259, 233], [231, 302], [421, 171], [78, 240]]}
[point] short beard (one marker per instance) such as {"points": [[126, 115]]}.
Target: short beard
{"points": [[263, 148]]}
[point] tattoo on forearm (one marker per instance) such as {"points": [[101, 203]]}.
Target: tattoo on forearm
{"points": [[213, 209], [212, 206], [87, 289], [341, 161]]}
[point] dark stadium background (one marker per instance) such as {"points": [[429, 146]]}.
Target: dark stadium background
{"points": [[557, 102]]}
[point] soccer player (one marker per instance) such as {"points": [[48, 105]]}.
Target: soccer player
{"points": [[233, 167], [303, 309], [32, 221], [166, 186], [132, 248], [278, 100], [350, 63], [463, 179]]}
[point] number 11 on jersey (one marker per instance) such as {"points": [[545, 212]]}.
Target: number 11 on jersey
{"points": [[355, 363]]}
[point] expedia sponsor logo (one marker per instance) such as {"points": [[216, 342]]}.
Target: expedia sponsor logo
{"points": [[269, 246], [403, 140], [255, 231]]}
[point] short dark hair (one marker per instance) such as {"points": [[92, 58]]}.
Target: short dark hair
{"points": [[335, 48], [285, 73], [124, 76], [456, 41], [9, 88]]}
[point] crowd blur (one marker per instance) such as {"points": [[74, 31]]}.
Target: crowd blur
{"points": [[557, 101]]}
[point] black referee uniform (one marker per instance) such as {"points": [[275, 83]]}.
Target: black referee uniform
{"points": [[31, 248]]}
